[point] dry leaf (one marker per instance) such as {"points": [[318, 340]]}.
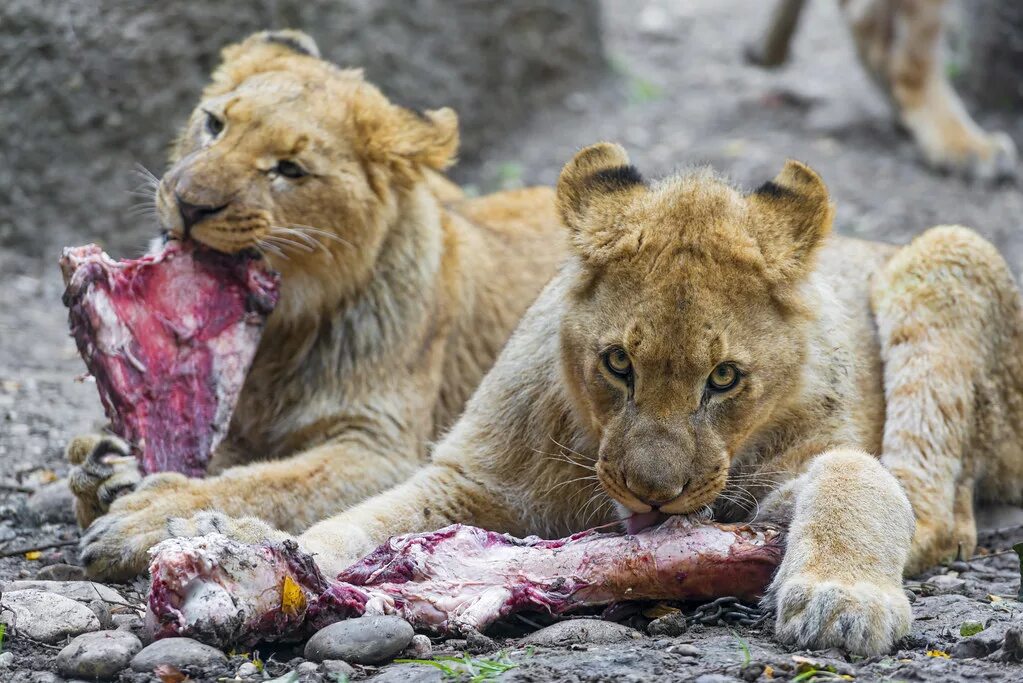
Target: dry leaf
{"points": [[769, 671], [292, 597], [33, 554], [939, 653], [661, 609]]}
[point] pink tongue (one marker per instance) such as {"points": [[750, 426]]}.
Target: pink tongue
{"points": [[641, 520]]}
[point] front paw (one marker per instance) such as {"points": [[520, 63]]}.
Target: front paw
{"points": [[115, 547], [103, 470], [863, 618]]}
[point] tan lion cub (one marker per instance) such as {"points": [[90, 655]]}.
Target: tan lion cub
{"points": [[705, 348]]}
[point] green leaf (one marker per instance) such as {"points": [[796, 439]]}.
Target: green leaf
{"points": [[970, 628]]}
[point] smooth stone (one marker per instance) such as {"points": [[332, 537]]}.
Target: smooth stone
{"points": [[80, 591], [179, 652], [6, 660], [409, 673], [669, 625], [1012, 645], [686, 650], [61, 572], [974, 647], [246, 670], [52, 503], [944, 584], [98, 656], [337, 668], [46, 617], [581, 631], [307, 668], [715, 678], [125, 622], [420, 648], [366, 640]]}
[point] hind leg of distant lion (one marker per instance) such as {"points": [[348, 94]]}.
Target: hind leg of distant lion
{"points": [[773, 48], [900, 43], [948, 317], [840, 583]]}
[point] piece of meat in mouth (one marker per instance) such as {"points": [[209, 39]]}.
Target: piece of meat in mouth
{"points": [[169, 338]]}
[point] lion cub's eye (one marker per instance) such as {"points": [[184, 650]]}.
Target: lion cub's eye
{"points": [[617, 362], [724, 377], [289, 169], [214, 125]]}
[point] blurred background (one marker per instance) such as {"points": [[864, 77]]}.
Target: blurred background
{"points": [[90, 88]]}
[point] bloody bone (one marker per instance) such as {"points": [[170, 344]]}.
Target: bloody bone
{"points": [[447, 581], [169, 338]]}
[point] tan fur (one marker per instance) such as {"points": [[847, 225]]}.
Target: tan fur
{"points": [[900, 43], [397, 294], [848, 350]]}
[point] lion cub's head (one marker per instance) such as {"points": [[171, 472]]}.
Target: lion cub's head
{"points": [[294, 156], [686, 328]]}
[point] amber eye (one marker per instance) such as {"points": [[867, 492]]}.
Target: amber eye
{"points": [[289, 169], [617, 362], [724, 377], [214, 125]]}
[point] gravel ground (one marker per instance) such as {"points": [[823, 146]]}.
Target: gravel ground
{"points": [[679, 96]]}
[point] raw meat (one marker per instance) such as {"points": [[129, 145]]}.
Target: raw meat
{"points": [[453, 580], [169, 338]]}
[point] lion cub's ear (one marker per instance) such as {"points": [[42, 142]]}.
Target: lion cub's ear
{"points": [[591, 190], [792, 217], [256, 54], [401, 138]]}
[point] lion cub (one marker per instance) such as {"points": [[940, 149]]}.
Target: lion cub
{"points": [[397, 294], [707, 349]]}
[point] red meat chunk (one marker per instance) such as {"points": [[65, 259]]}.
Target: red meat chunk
{"points": [[169, 338], [448, 581]]}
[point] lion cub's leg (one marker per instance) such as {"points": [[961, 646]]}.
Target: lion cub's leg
{"points": [[901, 44], [948, 317], [840, 584]]}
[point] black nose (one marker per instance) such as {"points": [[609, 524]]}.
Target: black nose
{"points": [[194, 213]]}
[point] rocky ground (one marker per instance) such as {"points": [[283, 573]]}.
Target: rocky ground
{"points": [[680, 95]]}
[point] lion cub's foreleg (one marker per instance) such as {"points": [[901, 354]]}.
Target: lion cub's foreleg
{"points": [[948, 318], [840, 584]]}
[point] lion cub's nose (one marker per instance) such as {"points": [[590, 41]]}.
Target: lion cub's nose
{"points": [[194, 213]]}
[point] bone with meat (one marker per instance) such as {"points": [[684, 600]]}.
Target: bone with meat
{"points": [[169, 338], [453, 580]]}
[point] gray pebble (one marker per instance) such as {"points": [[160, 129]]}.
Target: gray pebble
{"points": [[581, 631], [366, 640], [82, 591], [52, 503], [247, 670], [715, 678], [419, 648], [6, 660], [409, 673], [944, 584], [46, 617], [974, 648], [337, 668], [179, 652], [125, 622], [98, 656], [669, 625], [306, 668], [686, 650]]}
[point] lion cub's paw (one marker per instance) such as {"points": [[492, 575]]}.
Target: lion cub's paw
{"points": [[115, 546], [103, 470], [243, 529], [863, 618]]}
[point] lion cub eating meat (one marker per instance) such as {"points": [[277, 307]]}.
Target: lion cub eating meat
{"points": [[709, 349], [396, 296]]}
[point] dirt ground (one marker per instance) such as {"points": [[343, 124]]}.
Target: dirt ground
{"points": [[680, 95]]}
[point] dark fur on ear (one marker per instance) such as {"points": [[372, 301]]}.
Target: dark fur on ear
{"points": [[595, 173], [296, 41], [792, 217]]}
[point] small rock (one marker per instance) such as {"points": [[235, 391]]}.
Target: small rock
{"points": [[178, 652], [1012, 646], [247, 670], [752, 671], [715, 678], [419, 648], [686, 650], [61, 572], [584, 631], [125, 622], [944, 584], [81, 591], [307, 668], [336, 668], [98, 656], [6, 660], [673, 624], [102, 612], [46, 617], [410, 673], [477, 643], [366, 640], [973, 648], [52, 503]]}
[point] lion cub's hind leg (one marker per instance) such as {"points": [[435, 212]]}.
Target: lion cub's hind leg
{"points": [[948, 318]]}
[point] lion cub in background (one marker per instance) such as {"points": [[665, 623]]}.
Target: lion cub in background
{"points": [[707, 349], [397, 295]]}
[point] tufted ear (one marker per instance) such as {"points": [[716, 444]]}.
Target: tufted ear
{"points": [[591, 190], [258, 53], [792, 217], [402, 138]]}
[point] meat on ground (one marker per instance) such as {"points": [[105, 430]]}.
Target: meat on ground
{"points": [[453, 580], [169, 338]]}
